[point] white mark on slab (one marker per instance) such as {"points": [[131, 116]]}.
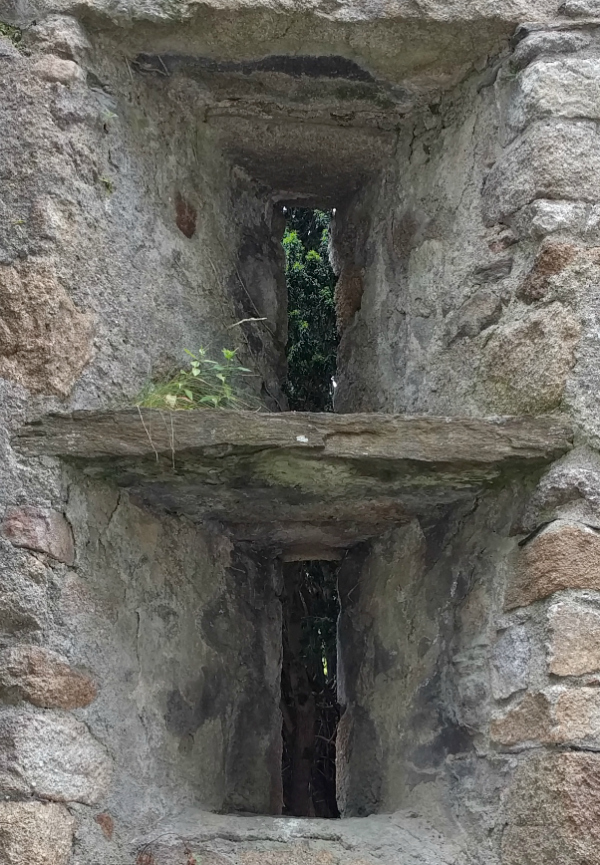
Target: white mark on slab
{"points": [[302, 439]]}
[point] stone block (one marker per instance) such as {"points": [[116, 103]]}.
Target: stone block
{"points": [[57, 70], [577, 716], [530, 721], [510, 662], [61, 35], [35, 832], [43, 678], [45, 340], [547, 43], [570, 490], [551, 160], [51, 756], [23, 601], [580, 8], [564, 556], [566, 87], [40, 529], [557, 790], [574, 647], [525, 363], [550, 261]]}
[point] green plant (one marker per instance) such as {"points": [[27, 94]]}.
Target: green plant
{"points": [[108, 184], [9, 32], [206, 383]]}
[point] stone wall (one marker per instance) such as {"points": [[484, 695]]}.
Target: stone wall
{"points": [[145, 153]]}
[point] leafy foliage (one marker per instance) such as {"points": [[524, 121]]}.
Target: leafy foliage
{"points": [[312, 331], [9, 32], [205, 384]]}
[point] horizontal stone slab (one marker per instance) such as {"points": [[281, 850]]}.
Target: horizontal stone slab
{"points": [[296, 480]]}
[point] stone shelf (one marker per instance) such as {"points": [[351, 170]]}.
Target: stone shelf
{"points": [[310, 485]]}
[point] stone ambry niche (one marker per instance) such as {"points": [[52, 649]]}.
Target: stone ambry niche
{"points": [[141, 553]]}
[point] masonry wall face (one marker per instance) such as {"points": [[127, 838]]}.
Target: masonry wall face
{"points": [[139, 653]]}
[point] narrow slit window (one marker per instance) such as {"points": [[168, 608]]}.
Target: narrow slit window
{"points": [[312, 330], [309, 706]]}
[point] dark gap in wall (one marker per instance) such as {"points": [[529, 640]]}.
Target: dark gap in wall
{"points": [[309, 704], [312, 330]]}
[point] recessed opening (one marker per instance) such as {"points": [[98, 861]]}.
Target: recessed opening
{"points": [[312, 330], [309, 706]]}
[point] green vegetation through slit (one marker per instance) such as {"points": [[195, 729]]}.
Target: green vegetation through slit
{"points": [[312, 331]]}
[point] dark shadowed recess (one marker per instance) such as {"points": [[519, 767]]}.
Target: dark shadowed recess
{"points": [[309, 689]]}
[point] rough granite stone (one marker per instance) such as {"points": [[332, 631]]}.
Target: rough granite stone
{"points": [[577, 717], [526, 362], [569, 490], [529, 722], [553, 810], [510, 662], [556, 159], [566, 87], [563, 556], [45, 341], [35, 832], [23, 600], [574, 646], [44, 678], [52, 756], [40, 529]]}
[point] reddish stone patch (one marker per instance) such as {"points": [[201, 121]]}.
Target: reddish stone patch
{"points": [[44, 678], [550, 261], [106, 823], [186, 216], [42, 530], [145, 859]]}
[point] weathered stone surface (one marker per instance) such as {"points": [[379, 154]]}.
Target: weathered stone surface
{"points": [[579, 8], [55, 69], [563, 87], [564, 556], [574, 647], [553, 811], [547, 42], [23, 601], [36, 832], [551, 260], [40, 529], [482, 310], [394, 39], [44, 678], [52, 756], [314, 481], [570, 490], [526, 361], [577, 716], [510, 662], [530, 721], [389, 839], [45, 340], [550, 160]]}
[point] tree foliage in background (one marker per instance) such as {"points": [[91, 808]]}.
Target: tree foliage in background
{"points": [[312, 331]]}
